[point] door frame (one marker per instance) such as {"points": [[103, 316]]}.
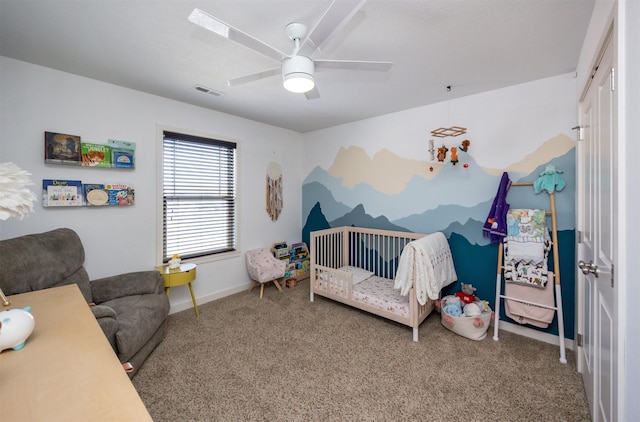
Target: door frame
{"points": [[609, 33]]}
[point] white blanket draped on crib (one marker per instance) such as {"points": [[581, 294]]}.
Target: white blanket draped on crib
{"points": [[427, 263]]}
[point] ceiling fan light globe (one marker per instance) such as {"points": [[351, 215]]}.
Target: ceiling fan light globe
{"points": [[297, 74], [298, 82]]}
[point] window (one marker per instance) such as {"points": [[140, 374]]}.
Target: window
{"points": [[198, 196]]}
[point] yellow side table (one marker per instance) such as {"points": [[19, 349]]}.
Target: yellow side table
{"points": [[179, 276]]}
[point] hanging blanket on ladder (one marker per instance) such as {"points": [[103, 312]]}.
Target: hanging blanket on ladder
{"points": [[526, 247], [526, 274]]}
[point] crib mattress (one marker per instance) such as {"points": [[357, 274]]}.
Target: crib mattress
{"points": [[379, 292]]}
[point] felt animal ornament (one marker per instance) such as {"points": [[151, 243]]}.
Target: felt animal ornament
{"points": [[454, 155], [442, 153], [431, 150], [466, 295]]}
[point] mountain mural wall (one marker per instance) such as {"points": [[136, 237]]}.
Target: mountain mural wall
{"points": [[390, 192]]}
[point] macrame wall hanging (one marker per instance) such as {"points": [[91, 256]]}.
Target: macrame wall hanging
{"points": [[274, 190]]}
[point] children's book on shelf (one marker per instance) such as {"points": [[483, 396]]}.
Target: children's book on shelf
{"points": [[122, 158], [60, 148], [96, 155], [95, 194], [122, 144], [62, 193], [122, 153], [120, 194]]}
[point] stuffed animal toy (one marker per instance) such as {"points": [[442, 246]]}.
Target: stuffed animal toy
{"points": [[471, 310], [550, 180], [466, 295], [483, 305], [453, 309], [451, 305]]}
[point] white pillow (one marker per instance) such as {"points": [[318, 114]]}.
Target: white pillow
{"points": [[359, 274]]}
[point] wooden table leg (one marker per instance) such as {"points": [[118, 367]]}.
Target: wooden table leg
{"points": [[193, 298]]}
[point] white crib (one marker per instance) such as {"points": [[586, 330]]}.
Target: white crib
{"points": [[357, 266]]}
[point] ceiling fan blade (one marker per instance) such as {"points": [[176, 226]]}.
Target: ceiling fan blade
{"points": [[339, 13], [254, 77], [313, 94], [215, 25], [353, 65]]}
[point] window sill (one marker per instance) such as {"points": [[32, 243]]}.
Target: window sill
{"points": [[214, 258]]}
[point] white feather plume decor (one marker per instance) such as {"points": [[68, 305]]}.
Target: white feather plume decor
{"points": [[15, 199], [274, 190]]}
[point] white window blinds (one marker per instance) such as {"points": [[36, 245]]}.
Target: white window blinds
{"points": [[199, 196]]}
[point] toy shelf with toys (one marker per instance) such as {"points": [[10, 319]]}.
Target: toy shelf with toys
{"points": [[297, 258]]}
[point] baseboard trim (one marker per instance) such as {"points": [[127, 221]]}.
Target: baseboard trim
{"points": [[504, 325], [188, 304], [534, 334]]}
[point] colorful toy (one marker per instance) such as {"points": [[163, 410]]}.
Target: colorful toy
{"points": [[472, 310], [466, 295], [174, 262], [451, 305]]}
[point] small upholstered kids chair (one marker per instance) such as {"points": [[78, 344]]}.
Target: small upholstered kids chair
{"points": [[263, 268]]}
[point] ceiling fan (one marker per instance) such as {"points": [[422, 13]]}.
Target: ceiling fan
{"points": [[297, 68]]}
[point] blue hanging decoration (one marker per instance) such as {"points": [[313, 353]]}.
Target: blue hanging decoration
{"points": [[550, 180]]}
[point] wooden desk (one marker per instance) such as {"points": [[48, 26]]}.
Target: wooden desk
{"points": [[185, 274], [67, 370]]}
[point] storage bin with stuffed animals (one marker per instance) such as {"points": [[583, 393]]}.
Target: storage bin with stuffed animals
{"points": [[465, 314]]}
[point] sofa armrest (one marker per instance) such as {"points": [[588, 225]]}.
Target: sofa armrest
{"points": [[129, 284], [106, 318], [100, 311]]}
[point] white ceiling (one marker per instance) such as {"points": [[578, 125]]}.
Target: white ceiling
{"points": [[471, 45]]}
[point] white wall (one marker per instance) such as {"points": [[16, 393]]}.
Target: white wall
{"points": [[504, 125], [35, 99]]}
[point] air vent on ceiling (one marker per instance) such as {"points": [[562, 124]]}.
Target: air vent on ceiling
{"points": [[209, 91]]}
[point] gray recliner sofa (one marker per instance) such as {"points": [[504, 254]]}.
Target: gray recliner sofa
{"points": [[130, 308]]}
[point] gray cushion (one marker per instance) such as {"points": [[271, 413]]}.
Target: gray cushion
{"points": [[44, 260]]}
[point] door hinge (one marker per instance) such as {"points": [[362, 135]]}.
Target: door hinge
{"points": [[580, 340], [580, 132], [612, 274], [613, 79]]}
